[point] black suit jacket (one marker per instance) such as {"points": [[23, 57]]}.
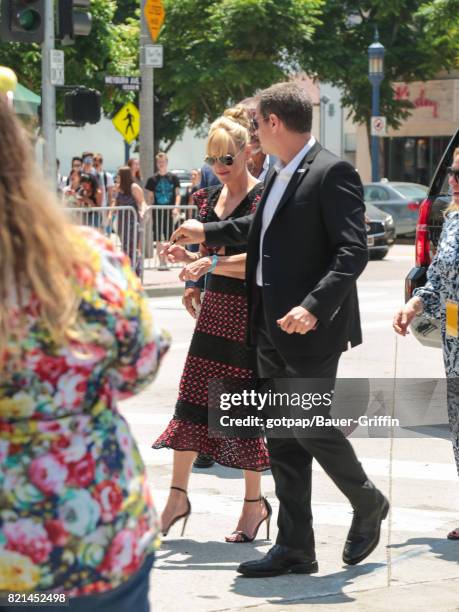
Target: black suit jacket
{"points": [[313, 251]]}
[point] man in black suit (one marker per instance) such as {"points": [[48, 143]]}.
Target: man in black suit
{"points": [[306, 247]]}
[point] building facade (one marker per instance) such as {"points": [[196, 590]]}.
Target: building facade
{"points": [[413, 151]]}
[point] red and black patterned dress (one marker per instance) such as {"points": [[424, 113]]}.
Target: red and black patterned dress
{"points": [[218, 350]]}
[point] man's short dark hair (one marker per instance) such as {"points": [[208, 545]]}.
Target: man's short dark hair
{"points": [[290, 103], [76, 158]]}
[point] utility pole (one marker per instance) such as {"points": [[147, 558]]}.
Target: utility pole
{"points": [[146, 100], [48, 95]]}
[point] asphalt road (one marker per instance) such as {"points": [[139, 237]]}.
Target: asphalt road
{"points": [[197, 572]]}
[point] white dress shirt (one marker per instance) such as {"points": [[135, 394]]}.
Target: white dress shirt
{"points": [[284, 174]]}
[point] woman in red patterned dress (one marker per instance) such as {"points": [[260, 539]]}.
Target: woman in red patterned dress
{"points": [[218, 348]]}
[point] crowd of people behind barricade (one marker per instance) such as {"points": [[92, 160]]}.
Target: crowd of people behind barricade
{"points": [[89, 186]]}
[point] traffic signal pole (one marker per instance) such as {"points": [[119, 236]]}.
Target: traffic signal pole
{"points": [[48, 97], [146, 100]]}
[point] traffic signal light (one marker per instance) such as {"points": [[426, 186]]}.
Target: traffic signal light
{"points": [[71, 21], [82, 105], [22, 21]]}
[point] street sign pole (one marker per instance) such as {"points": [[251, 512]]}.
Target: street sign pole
{"points": [[48, 96], [146, 102]]}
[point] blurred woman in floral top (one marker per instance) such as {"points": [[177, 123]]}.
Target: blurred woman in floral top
{"points": [[76, 516]]}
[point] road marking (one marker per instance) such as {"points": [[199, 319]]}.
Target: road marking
{"points": [[410, 520], [415, 470], [407, 469], [377, 324], [379, 307]]}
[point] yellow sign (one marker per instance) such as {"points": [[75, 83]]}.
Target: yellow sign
{"points": [[127, 122], [154, 15]]}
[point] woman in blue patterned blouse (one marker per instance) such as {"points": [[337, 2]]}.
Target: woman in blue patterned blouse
{"points": [[439, 298]]}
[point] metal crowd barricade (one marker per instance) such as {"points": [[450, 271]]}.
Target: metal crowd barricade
{"points": [[119, 223], [158, 224]]}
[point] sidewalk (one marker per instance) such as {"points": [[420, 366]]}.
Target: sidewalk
{"points": [[414, 567], [162, 283], [421, 596]]}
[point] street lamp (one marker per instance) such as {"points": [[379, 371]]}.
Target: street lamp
{"points": [[376, 75]]}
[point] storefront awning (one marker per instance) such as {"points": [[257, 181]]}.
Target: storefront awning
{"points": [[26, 102]]}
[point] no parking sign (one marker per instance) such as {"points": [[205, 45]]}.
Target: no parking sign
{"points": [[378, 126]]}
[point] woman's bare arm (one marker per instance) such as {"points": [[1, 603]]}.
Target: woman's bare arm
{"points": [[228, 265], [137, 194], [231, 265]]}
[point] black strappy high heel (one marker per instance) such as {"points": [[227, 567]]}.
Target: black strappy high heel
{"points": [[244, 537], [184, 516]]}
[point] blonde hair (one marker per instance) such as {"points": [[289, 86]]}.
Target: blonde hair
{"points": [[229, 131], [38, 249], [452, 206]]}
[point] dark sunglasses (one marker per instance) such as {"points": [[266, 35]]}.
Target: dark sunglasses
{"points": [[453, 172], [254, 125], [225, 160]]}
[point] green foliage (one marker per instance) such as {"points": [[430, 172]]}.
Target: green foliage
{"points": [[125, 9], [441, 23], [109, 49], [220, 52], [417, 36], [216, 53]]}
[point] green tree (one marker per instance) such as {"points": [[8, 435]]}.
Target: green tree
{"points": [[109, 49], [417, 36], [219, 52], [216, 53]]}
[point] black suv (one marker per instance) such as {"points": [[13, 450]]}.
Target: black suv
{"points": [[428, 230]]}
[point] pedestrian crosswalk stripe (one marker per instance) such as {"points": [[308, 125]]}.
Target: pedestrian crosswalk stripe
{"points": [[415, 470], [411, 520]]}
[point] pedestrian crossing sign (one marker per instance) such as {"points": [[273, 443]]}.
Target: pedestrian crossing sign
{"points": [[127, 122]]}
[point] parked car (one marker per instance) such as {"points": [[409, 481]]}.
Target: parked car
{"points": [[401, 200], [380, 232], [428, 230]]}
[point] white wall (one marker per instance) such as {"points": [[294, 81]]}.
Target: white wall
{"points": [[188, 152], [101, 137], [332, 122]]}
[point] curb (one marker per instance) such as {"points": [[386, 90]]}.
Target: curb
{"points": [[164, 291]]}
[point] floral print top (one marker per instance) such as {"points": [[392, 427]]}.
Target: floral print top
{"points": [[76, 515]]}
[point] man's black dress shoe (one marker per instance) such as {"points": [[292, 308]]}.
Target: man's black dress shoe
{"points": [[279, 560], [363, 536], [203, 461]]}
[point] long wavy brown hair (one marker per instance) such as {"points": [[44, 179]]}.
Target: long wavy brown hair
{"points": [[38, 250], [126, 179]]}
